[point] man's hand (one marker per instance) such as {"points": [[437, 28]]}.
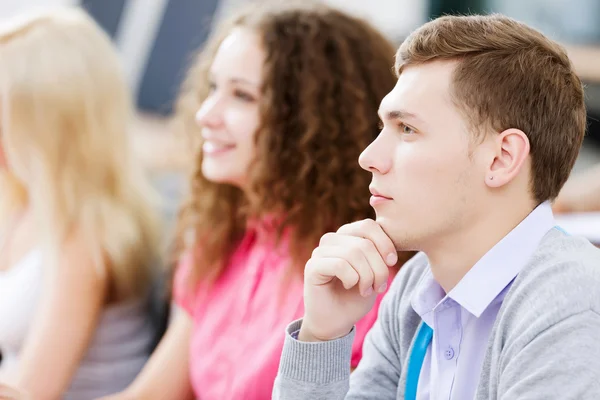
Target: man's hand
{"points": [[343, 277]]}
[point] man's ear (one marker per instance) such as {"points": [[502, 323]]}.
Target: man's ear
{"points": [[511, 149]]}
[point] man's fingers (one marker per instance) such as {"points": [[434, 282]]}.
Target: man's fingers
{"points": [[324, 270], [379, 268], [369, 229], [354, 249], [364, 247], [354, 256]]}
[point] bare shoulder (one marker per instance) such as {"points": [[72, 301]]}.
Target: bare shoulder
{"points": [[78, 266]]}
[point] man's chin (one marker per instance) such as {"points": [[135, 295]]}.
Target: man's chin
{"points": [[389, 227], [400, 236]]}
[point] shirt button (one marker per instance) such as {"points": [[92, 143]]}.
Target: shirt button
{"points": [[449, 353]]}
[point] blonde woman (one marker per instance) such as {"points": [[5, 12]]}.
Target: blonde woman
{"points": [[77, 231]]}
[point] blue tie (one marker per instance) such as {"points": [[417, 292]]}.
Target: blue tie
{"points": [[415, 361]]}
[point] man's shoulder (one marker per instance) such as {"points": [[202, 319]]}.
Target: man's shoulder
{"points": [[410, 274], [396, 314], [397, 300], [562, 264], [561, 279]]}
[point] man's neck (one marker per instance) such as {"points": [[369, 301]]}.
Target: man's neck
{"points": [[453, 256]]}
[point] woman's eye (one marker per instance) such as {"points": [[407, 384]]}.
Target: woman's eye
{"points": [[244, 96]]}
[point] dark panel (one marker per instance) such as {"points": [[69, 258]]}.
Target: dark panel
{"points": [[592, 99], [107, 13], [185, 26], [452, 7]]}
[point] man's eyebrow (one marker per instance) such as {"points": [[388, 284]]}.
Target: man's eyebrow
{"points": [[401, 114]]}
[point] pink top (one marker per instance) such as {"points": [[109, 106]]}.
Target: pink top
{"points": [[239, 324]]}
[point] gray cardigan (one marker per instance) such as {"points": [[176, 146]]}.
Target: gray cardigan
{"points": [[544, 344]]}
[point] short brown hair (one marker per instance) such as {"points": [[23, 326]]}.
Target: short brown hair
{"points": [[510, 76], [324, 76]]}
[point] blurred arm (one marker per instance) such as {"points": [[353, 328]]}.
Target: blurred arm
{"points": [[70, 305], [166, 375]]}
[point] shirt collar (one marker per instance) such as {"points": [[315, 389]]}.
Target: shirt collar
{"points": [[493, 272], [427, 296]]}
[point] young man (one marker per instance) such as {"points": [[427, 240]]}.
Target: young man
{"points": [[479, 134]]}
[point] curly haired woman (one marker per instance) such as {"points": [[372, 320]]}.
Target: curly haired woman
{"points": [[283, 100]]}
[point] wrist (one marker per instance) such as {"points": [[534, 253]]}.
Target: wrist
{"points": [[306, 334]]}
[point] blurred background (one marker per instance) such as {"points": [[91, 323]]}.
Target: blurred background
{"points": [[156, 39]]}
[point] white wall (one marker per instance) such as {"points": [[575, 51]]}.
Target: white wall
{"points": [[134, 38], [395, 18], [574, 21], [9, 8]]}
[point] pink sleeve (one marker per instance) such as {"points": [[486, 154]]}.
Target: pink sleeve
{"points": [[183, 294], [364, 326]]}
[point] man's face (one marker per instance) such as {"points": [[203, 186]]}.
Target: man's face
{"points": [[428, 178]]}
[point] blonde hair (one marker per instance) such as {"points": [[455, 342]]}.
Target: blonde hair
{"points": [[65, 113]]}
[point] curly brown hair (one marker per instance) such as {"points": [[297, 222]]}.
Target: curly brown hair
{"points": [[324, 76]]}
